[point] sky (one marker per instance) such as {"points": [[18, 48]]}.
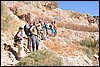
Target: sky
{"points": [[88, 7]]}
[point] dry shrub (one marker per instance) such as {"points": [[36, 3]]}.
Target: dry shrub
{"points": [[6, 17], [41, 58], [90, 45], [89, 42]]}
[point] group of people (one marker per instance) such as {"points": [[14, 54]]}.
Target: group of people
{"points": [[35, 31]]}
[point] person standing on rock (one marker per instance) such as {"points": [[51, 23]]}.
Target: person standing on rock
{"points": [[52, 29], [35, 42], [41, 29], [55, 27], [20, 39], [27, 32], [46, 29]]}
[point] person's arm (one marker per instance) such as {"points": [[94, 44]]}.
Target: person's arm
{"points": [[31, 30], [18, 35], [27, 26]]}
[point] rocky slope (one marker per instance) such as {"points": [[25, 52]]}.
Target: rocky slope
{"points": [[97, 19], [72, 28]]}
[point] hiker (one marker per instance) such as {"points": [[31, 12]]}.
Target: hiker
{"points": [[55, 27], [27, 32], [43, 32], [35, 42], [52, 29], [46, 27], [39, 31], [40, 23], [19, 37]]}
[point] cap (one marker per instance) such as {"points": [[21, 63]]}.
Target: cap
{"points": [[40, 20], [20, 28], [31, 23]]}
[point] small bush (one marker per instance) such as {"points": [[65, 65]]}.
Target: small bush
{"points": [[41, 58], [89, 42], [88, 52]]}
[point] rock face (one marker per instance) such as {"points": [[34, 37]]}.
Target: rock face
{"points": [[97, 19], [77, 61], [8, 59], [72, 28]]}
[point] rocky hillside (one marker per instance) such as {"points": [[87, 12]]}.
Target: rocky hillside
{"points": [[72, 28], [97, 19]]}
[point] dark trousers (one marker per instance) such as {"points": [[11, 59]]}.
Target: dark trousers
{"points": [[29, 43]]}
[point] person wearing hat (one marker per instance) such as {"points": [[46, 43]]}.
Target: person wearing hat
{"points": [[20, 39], [19, 35], [35, 42]]}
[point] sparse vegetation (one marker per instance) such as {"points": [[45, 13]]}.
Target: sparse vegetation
{"points": [[89, 42], [6, 17], [88, 52], [41, 58], [90, 45], [72, 26]]}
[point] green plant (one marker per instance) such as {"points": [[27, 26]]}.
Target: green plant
{"points": [[41, 58], [89, 42], [88, 52]]}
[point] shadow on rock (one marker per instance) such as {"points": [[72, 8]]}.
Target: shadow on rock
{"points": [[9, 48]]}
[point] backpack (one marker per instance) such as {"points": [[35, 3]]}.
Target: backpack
{"points": [[16, 39], [24, 27], [27, 31]]}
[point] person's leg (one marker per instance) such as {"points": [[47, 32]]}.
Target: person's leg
{"points": [[44, 34], [33, 42], [19, 50], [47, 31], [29, 43], [37, 44], [22, 52], [55, 32], [52, 32]]}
